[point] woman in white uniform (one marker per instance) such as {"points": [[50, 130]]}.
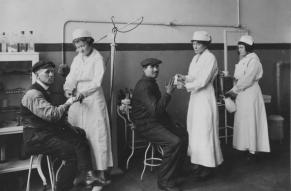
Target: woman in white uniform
{"points": [[250, 122], [84, 81], [202, 118]]}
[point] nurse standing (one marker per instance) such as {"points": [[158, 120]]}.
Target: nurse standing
{"points": [[84, 81], [250, 122], [202, 118]]}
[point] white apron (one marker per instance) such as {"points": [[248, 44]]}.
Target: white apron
{"points": [[91, 115], [250, 122], [202, 118]]}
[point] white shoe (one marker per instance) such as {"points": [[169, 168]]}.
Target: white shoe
{"points": [[97, 188]]}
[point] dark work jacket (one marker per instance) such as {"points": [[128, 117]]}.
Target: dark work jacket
{"points": [[148, 105], [35, 128]]}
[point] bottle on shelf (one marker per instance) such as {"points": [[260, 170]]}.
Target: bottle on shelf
{"points": [[4, 41], [13, 39], [30, 40], [22, 43]]}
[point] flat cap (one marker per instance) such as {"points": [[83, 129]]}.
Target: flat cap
{"points": [[41, 65], [150, 61]]}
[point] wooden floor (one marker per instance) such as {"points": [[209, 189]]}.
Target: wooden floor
{"points": [[270, 173]]}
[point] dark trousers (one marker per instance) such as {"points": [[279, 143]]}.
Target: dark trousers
{"points": [[174, 141], [63, 144]]}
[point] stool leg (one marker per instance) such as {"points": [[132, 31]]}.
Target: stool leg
{"points": [[161, 150], [50, 173], [152, 157], [59, 169], [39, 170], [132, 148], [29, 174], [145, 160]]}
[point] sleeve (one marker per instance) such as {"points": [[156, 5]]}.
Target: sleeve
{"points": [[96, 82], [153, 103], [71, 82], [39, 106], [249, 78], [204, 76]]}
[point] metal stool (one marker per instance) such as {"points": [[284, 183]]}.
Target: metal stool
{"points": [[152, 160], [52, 176]]}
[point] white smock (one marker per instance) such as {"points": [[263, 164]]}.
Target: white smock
{"points": [[202, 118], [86, 76], [250, 121]]}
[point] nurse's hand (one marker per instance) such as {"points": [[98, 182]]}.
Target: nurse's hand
{"points": [[170, 87], [231, 94], [80, 97], [68, 93]]}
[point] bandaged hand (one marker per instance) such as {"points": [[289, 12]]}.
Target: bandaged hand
{"points": [[181, 78]]}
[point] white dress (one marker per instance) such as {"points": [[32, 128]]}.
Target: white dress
{"points": [[202, 118], [250, 122], [86, 77]]}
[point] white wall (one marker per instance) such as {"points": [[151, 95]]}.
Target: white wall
{"points": [[268, 20]]}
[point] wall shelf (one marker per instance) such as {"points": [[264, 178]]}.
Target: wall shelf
{"points": [[13, 65]]}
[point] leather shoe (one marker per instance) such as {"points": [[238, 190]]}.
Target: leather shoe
{"points": [[205, 173], [172, 188], [89, 179], [178, 181]]}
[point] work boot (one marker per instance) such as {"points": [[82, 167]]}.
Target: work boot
{"points": [[169, 188], [89, 178]]}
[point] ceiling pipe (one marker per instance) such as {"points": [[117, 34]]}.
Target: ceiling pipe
{"points": [[170, 24]]}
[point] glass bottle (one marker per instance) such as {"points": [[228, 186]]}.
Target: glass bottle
{"points": [[30, 39], [22, 43], [13, 39], [4, 41]]}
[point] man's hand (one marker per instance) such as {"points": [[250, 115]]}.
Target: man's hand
{"points": [[71, 100], [170, 87]]}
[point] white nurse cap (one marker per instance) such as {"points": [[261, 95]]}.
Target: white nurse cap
{"points": [[247, 39], [201, 36], [80, 33]]}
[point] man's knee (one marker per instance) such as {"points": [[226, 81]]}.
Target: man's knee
{"points": [[176, 142]]}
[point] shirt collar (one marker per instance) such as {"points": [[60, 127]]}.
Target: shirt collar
{"points": [[45, 87], [148, 78]]}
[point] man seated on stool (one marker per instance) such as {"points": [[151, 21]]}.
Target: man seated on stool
{"points": [[152, 122], [46, 131]]}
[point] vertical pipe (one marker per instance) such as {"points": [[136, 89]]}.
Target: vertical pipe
{"points": [[238, 12], [112, 107], [278, 67], [225, 71]]}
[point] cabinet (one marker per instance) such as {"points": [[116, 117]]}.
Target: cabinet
{"points": [[15, 78]]}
